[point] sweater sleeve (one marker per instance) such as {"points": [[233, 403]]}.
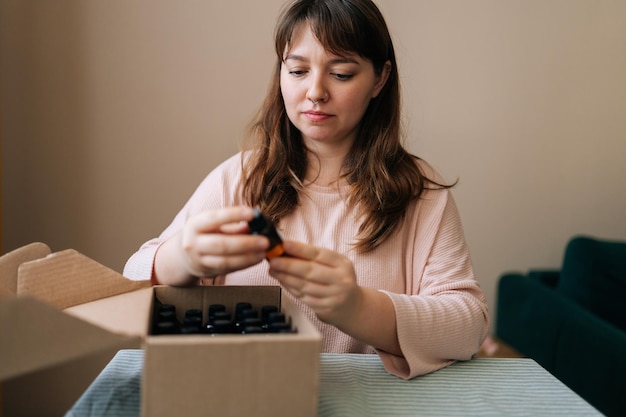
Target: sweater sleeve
{"points": [[443, 317]]}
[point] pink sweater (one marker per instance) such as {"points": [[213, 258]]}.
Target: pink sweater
{"points": [[425, 269]]}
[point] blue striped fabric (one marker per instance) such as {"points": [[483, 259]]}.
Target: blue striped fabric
{"points": [[358, 385], [116, 391]]}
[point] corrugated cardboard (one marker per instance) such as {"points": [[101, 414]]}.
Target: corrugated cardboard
{"points": [[231, 375], [47, 357], [10, 262], [70, 315]]}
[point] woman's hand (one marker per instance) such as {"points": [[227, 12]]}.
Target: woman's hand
{"points": [[211, 243], [326, 282]]}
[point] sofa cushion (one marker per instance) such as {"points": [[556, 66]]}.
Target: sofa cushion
{"points": [[594, 275]]}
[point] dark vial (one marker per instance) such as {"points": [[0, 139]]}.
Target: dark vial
{"points": [[192, 324], [239, 309], [167, 307], [166, 312], [193, 312], [280, 327], [266, 310], [222, 315], [253, 330], [246, 314], [261, 225], [219, 316], [221, 327], [166, 327], [165, 320], [190, 330], [250, 322], [277, 323], [276, 317], [214, 308]]}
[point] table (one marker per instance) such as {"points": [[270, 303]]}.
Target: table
{"points": [[358, 385]]}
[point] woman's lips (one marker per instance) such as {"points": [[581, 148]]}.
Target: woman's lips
{"points": [[316, 116]]}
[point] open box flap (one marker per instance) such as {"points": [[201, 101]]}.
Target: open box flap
{"points": [[127, 313], [10, 262], [69, 278], [37, 336]]}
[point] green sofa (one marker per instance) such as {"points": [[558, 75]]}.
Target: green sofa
{"points": [[572, 321]]}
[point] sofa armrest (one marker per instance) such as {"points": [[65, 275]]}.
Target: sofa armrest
{"points": [[548, 277], [591, 360], [583, 351], [525, 317]]}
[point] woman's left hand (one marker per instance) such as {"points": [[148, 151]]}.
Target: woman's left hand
{"points": [[326, 281], [323, 279]]}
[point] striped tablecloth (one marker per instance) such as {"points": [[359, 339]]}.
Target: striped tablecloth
{"points": [[358, 385]]}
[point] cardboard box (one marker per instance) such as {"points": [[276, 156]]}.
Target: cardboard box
{"points": [[48, 357], [74, 314]]}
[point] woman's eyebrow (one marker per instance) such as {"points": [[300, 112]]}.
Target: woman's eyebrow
{"points": [[338, 60]]}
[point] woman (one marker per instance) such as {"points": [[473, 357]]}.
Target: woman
{"points": [[376, 252]]}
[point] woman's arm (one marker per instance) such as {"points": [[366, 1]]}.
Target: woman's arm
{"points": [[211, 243]]}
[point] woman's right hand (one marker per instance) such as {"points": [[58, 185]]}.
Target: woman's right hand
{"points": [[210, 243]]}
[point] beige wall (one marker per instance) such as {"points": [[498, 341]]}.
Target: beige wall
{"points": [[113, 111]]}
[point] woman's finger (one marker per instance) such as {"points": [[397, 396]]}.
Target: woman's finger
{"points": [[228, 245], [214, 220], [226, 264]]}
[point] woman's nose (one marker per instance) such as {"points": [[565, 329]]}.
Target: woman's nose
{"points": [[317, 89]]}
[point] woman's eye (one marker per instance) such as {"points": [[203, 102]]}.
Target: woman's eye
{"points": [[297, 73], [342, 77]]}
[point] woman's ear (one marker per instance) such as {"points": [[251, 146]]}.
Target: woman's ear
{"points": [[381, 79]]}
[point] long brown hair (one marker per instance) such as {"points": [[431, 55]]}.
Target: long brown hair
{"points": [[384, 178]]}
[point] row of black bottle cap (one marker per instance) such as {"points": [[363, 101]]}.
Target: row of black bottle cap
{"points": [[246, 320]]}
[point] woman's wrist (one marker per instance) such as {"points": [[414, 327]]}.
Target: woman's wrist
{"points": [[372, 319], [169, 266]]}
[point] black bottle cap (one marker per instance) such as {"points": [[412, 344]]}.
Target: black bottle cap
{"points": [[266, 310], [262, 225], [221, 315], [166, 327], [193, 312], [251, 322], [279, 327], [214, 308], [240, 307], [252, 330], [249, 313], [192, 321], [223, 326], [276, 317], [167, 315], [167, 307], [259, 225], [190, 329]]}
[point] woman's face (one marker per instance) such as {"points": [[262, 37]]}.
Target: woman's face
{"points": [[326, 95]]}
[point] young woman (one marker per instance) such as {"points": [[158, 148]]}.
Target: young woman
{"points": [[376, 252]]}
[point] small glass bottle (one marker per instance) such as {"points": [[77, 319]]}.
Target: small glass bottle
{"points": [[240, 308], [266, 310], [165, 321], [166, 327], [218, 316], [214, 308], [222, 327], [250, 325], [261, 225]]}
